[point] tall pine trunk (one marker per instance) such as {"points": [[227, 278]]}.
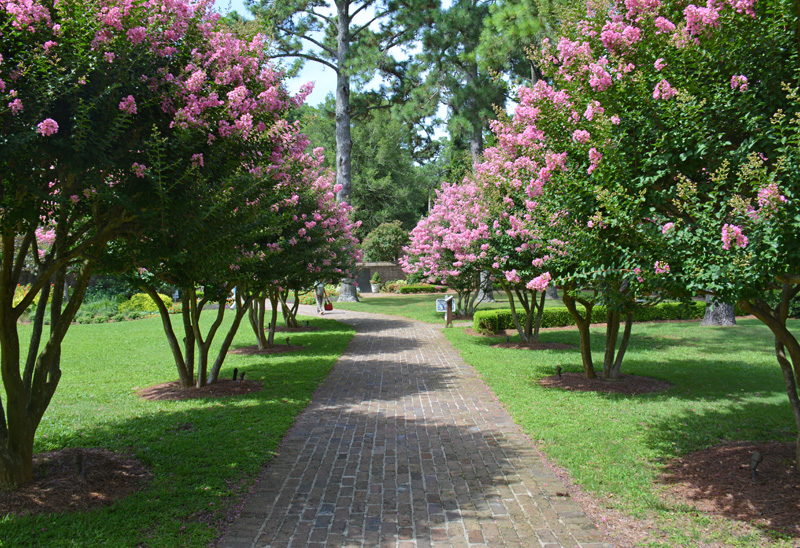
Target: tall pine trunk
{"points": [[344, 142]]}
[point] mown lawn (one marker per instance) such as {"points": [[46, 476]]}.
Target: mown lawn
{"points": [[726, 386], [198, 469], [420, 307]]}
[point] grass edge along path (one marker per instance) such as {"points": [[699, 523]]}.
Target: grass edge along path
{"points": [[726, 387], [204, 454], [419, 306]]}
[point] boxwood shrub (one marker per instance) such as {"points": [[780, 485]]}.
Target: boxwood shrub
{"points": [[422, 288], [494, 321]]}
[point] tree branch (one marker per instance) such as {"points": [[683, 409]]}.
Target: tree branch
{"points": [[309, 57], [315, 14], [304, 37], [368, 23]]}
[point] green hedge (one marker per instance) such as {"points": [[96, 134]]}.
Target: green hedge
{"points": [[421, 288], [494, 321]]}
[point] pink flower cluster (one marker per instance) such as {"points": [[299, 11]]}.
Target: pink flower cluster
{"points": [[664, 90], [739, 81], [732, 235]]}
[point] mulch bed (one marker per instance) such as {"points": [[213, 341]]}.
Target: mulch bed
{"points": [[718, 480], [277, 349], [627, 384], [58, 486], [534, 346], [222, 388]]}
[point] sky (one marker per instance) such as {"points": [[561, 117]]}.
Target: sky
{"points": [[324, 78]]}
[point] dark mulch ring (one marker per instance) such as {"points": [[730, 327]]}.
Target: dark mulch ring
{"points": [[719, 480], [298, 329], [75, 479], [276, 349], [534, 346], [222, 388], [627, 384]]}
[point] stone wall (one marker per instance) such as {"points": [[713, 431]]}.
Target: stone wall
{"points": [[388, 271]]}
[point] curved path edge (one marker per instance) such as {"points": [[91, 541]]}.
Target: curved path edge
{"points": [[404, 445]]}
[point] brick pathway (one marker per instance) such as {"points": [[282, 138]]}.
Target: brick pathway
{"points": [[403, 445]]}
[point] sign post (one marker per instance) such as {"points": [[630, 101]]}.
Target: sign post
{"points": [[446, 305]]}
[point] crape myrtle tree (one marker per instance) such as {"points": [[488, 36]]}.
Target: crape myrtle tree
{"points": [[519, 253], [449, 245], [229, 195], [631, 101], [87, 89], [737, 231], [316, 244], [356, 39]]}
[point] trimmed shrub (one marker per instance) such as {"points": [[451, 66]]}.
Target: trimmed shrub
{"points": [[494, 321], [422, 288], [385, 243], [141, 302]]}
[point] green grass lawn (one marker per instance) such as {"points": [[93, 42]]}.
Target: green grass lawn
{"points": [[420, 307], [726, 386], [197, 470]]}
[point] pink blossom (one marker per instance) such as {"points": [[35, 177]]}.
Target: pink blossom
{"points": [[697, 18], [664, 90], [137, 35], [128, 105], [770, 198], [594, 159], [664, 25], [139, 169], [49, 44], [109, 56], [739, 81], [667, 227], [512, 276], [659, 64], [16, 106], [732, 234], [581, 136], [660, 267], [198, 160], [540, 282], [615, 120], [47, 127]]}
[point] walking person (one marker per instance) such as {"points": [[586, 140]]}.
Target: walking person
{"points": [[319, 293]]}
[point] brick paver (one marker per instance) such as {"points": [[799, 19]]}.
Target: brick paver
{"points": [[404, 445]]}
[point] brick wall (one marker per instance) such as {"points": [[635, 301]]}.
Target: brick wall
{"points": [[388, 271]]}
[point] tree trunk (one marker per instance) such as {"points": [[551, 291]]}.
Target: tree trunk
{"points": [[256, 315], [583, 323], [185, 372], [273, 320], [344, 142], [485, 292], [242, 306], [718, 313], [29, 392], [785, 343]]}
